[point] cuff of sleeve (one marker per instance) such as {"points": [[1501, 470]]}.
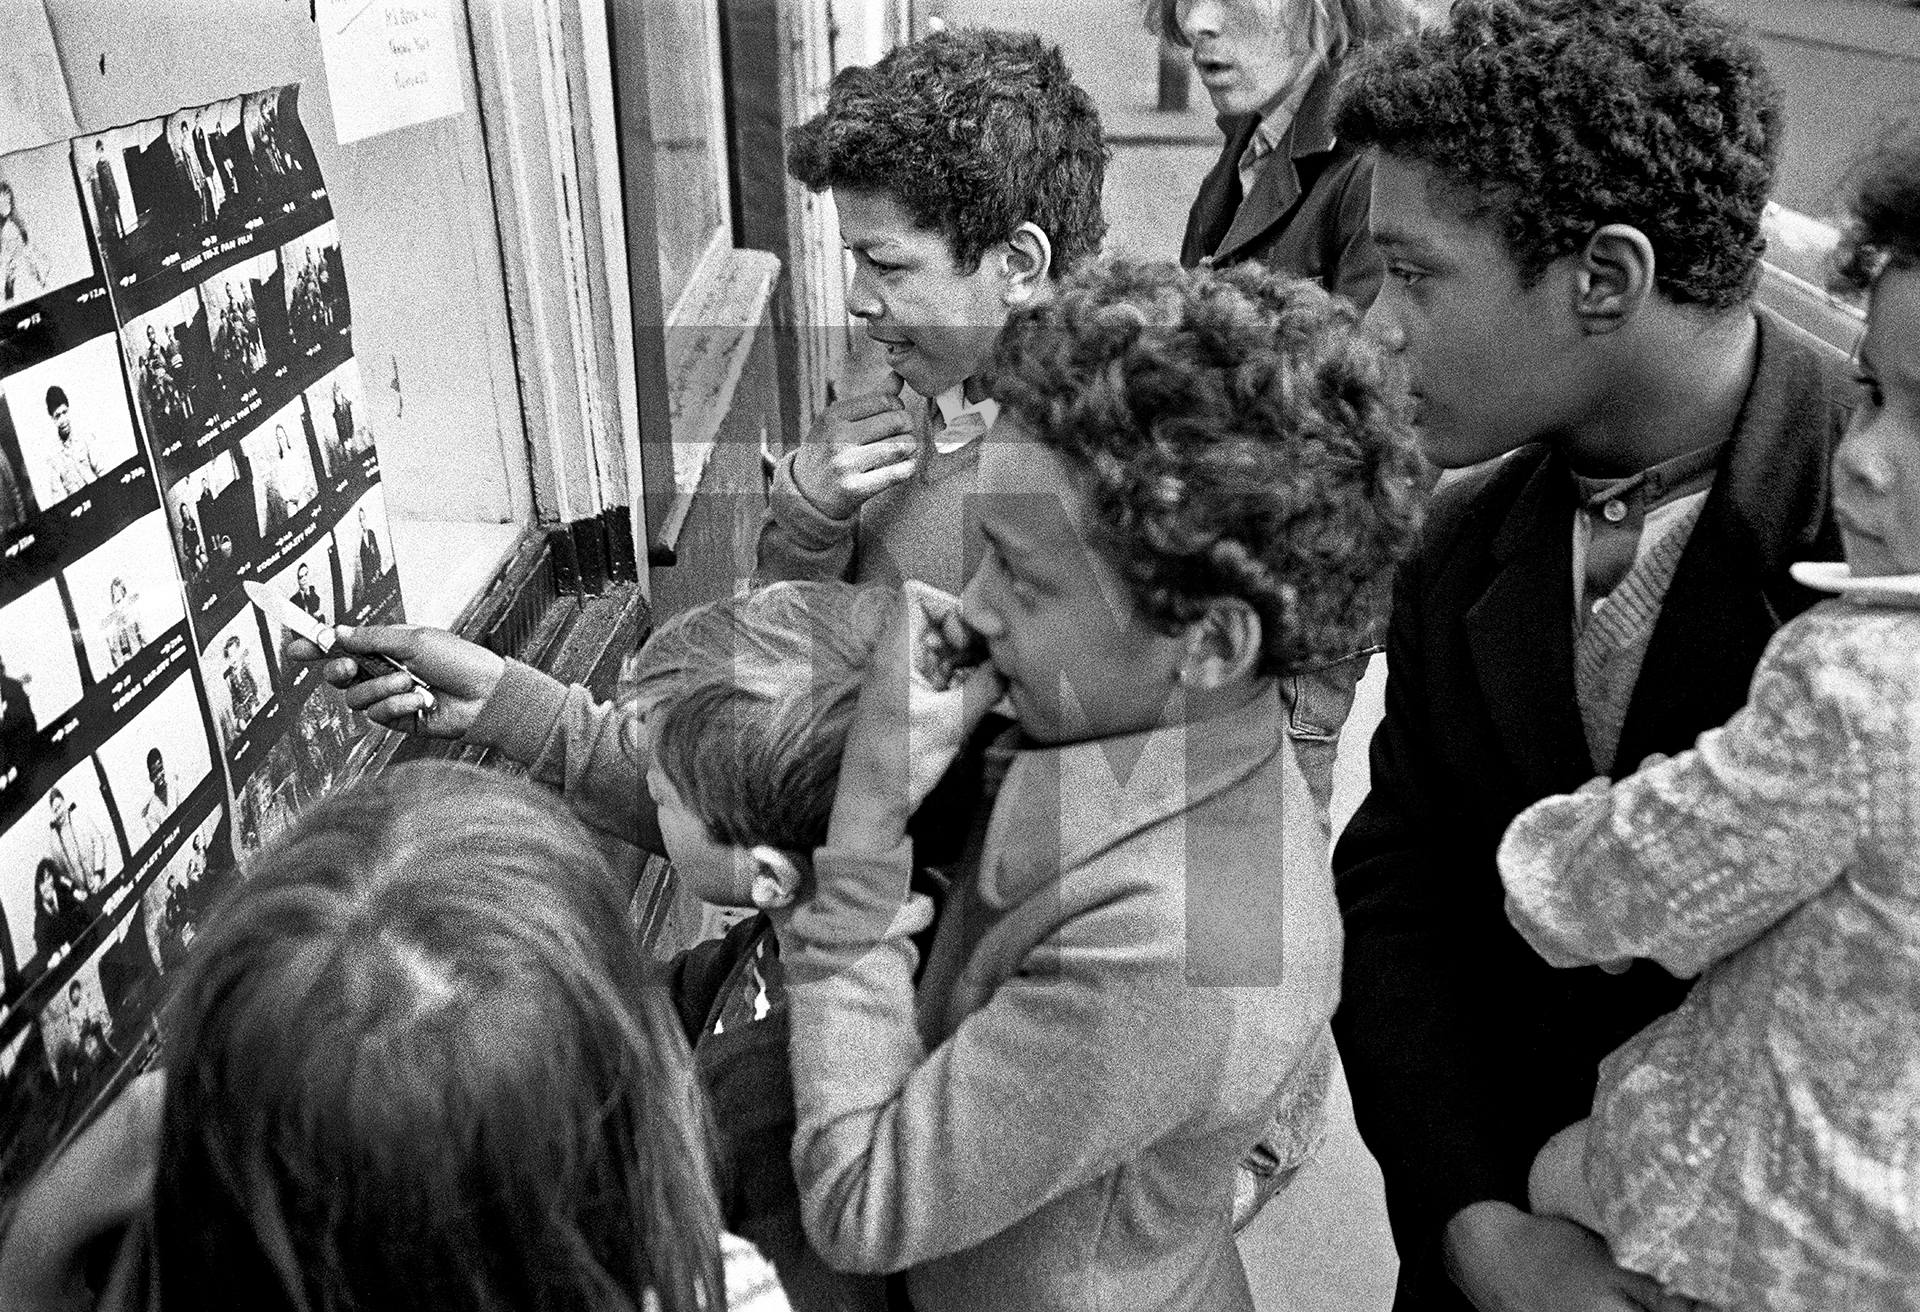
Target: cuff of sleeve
{"points": [[1533, 860], [519, 717], [810, 527]]}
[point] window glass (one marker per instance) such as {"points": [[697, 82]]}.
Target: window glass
{"points": [[688, 150]]}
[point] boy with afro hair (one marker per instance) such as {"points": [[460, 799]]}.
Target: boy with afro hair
{"points": [[1197, 485], [966, 169], [1568, 196]]}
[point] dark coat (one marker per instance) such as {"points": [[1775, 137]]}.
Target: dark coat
{"points": [[1307, 212], [1464, 1050]]}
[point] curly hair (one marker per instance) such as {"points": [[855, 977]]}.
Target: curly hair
{"points": [[750, 700], [1350, 24], [973, 132], [1237, 435], [1567, 115], [1883, 231]]}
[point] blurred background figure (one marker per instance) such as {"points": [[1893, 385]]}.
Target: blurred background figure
{"points": [[1285, 191]]}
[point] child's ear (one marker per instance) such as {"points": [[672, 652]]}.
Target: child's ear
{"points": [[776, 878], [1614, 278], [1026, 260], [1223, 645]]}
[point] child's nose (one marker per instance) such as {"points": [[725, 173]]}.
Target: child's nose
{"points": [[863, 302], [1384, 324], [1864, 462], [980, 617]]}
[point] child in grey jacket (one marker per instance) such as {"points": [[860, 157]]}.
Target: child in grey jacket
{"points": [[1194, 483]]}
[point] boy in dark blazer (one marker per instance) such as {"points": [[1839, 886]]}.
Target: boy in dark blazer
{"points": [[1568, 196]]}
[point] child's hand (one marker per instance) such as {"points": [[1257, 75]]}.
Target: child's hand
{"points": [[861, 445], [946, 649], [926, 690], [462, 675]]}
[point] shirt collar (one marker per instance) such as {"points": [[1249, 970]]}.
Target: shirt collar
{"points": [[1682, 475], [1096, 795], [961, 422], [1303, 111]]}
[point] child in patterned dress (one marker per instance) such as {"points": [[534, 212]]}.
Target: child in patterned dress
{"points": [[1757, 1148]]}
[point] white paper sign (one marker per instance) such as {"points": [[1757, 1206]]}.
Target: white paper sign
{"points": [[390, 63]]}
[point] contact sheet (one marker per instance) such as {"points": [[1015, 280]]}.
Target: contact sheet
{"points": [[180, 414]]}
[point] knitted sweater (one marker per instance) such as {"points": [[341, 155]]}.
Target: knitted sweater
{"points": [[912, 530]]}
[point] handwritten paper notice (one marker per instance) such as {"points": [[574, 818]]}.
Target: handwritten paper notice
{"points": [[390, 63]]}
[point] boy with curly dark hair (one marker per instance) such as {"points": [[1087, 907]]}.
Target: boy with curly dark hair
{"points": [[1779, 862], [1196, 483], [1568, 196], [966, 169]]}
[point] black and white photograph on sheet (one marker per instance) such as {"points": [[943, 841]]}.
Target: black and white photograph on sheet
{"points": [[219, 148], [243, 314], [338, 416], [316, 291], [125, 594], [174, 903], [364, 546], [157, 761], [235, 671], [170, 362], [70, 828], [70, 1045], [45, 909], [266, 801], [324, 733], [69, 417], [43, 240], [306, 582], [77, 1025], [211, 512], [277, 145], [131, 189], [281, 467], [199, 183], [17, 502], [39, 674]]}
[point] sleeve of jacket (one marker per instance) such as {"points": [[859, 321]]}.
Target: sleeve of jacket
{"points": [[592, 752], [1691, 858], [1412, 1015], [905, 1155], [797, 539]]}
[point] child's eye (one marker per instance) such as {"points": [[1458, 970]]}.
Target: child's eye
{"points": [[1409, 276], [1871, 385]]}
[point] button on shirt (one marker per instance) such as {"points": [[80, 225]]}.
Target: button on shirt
{"points": [[1619, 521]]}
